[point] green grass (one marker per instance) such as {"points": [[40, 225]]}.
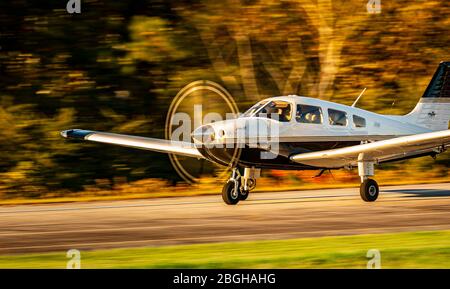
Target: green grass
{"points": [[400, 250]]}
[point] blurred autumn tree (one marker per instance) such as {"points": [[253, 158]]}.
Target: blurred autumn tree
{"points": [[117, 65]]}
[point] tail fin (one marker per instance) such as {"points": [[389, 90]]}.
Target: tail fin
{"points": [[433, 109]]}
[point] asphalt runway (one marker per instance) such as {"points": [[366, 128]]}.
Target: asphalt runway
{"points": [[201, 219]]}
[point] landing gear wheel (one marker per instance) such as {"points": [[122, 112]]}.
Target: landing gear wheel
{"points": [[251, 183], [229, 195], [243, 195], [369, 190]]}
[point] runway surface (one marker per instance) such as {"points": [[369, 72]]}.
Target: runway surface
{"points": [[186, 220]]}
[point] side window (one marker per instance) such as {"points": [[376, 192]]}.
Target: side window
{"points": [[359, 121], [337, 117], [308, 114]]}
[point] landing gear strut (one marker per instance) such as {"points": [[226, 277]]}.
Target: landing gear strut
{"points": [[231, 190], [238, 187], [369, 189]]}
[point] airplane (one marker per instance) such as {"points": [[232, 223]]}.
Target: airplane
{"points": [[312, 134]]}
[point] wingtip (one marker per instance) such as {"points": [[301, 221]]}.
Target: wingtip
{"points": [[76, 133], [64, 133]]}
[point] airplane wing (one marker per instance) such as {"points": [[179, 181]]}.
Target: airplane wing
{"points": [[391, 149], [152, 144]]}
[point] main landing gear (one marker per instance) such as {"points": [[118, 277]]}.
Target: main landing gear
{"points": [[238, 187], [369, 189]]}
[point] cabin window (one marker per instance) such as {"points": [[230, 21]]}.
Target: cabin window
{"points": [[337, 117], [308, 114], [276, 109], [359, 121]]}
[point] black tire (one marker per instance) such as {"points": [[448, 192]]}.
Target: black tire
{"points": [[228, 194], [369, 190], [243, 195]]}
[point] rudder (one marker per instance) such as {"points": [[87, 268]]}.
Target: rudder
{"points": [[433, 109]]}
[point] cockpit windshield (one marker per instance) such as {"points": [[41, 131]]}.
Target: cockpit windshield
{"points": [[251, 111], [271, 109]]}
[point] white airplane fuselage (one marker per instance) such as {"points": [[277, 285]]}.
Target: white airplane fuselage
{"points": [[296, 136]]}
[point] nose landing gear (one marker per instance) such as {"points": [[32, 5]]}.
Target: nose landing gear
{"points": [[230, 194], [238, 187]]}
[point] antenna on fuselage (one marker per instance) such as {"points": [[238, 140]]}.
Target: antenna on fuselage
{"points": [[362, 92]]}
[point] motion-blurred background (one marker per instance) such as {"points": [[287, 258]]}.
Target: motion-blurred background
{"points": [[118, 65]]}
